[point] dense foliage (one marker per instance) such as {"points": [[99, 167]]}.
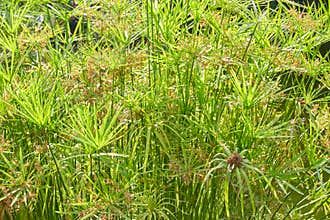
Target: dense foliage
{"points": [[195, 109]]}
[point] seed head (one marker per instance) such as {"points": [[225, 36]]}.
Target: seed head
{"points": [[235, 161]]}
